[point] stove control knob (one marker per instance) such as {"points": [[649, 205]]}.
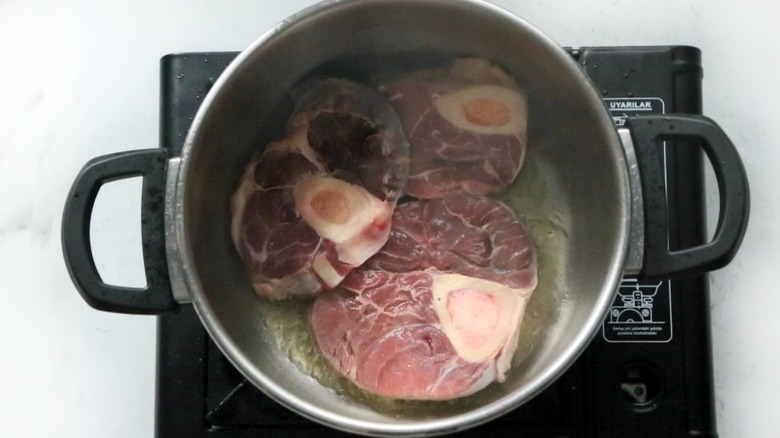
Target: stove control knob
{"points": [[641, 385]]}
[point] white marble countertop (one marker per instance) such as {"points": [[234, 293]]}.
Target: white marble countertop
{"points": [[79, 78]]}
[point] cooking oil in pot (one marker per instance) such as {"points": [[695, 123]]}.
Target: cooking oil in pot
{"points": [[532, 197]]}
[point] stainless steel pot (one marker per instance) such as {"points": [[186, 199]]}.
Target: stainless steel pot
{"points": [[614, 207]]}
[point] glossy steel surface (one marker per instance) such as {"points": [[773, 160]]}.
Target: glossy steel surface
{"points": [[571, 138]]}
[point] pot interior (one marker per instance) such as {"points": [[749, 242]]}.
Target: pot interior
{"points": [[573, 151]]}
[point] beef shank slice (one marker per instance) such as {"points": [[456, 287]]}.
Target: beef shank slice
{"points": [[436, 313], [471, 235], [319, 201], [467, 127], [413, 335]]}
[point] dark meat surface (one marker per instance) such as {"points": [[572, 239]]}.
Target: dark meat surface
{"points": [[318, 202], [355, 134], [475, 236]]}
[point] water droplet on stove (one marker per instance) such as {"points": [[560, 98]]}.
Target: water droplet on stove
{"points": [[625, 75], [630, 94], [595, 66], [180, 75], [604, 92], [206, 60]]}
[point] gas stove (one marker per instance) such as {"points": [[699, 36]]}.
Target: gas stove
{"points": [[647, 373]]}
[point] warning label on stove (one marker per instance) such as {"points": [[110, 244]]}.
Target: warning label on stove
{"points": [[641, 312], [623, 107]]}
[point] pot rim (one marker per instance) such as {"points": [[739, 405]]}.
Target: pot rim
{"points": [[449, 424]]}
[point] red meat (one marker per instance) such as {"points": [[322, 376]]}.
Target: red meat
{"points": [[466, 128], [319, 202], [436, 313]]}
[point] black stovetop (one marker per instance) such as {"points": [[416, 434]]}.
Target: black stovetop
{"points": [[648, 373]]}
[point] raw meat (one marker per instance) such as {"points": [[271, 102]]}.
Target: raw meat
{"points": [[319, 201], [355, 133], [436, 313], [466, 126], [472, 235], [417, 335]]}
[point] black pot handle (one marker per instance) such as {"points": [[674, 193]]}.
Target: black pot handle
{"points": [[157, 296], [659, 261]]}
